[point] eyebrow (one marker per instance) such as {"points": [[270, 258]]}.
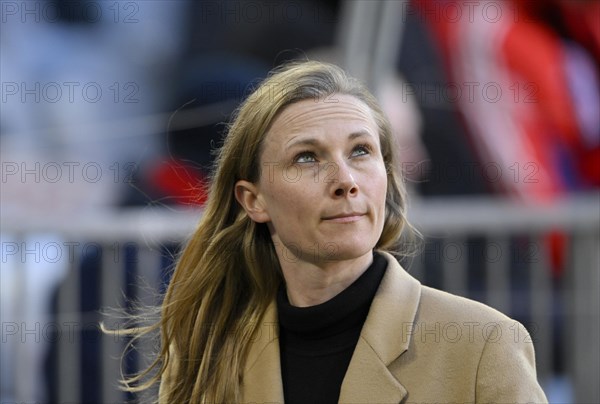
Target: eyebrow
{"points": [[311, 141]]}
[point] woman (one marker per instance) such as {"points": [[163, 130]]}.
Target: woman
{"points": [[286, 292]]}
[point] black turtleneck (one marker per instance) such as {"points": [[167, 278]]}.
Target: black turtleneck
{"points": [[317, 342]]}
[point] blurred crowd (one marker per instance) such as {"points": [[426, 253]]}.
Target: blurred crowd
{"points": [[136, 93]]}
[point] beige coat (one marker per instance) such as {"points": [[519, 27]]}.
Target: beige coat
{"points": [[418, 345]]}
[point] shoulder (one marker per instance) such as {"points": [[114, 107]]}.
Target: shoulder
{"points": [[439, 305], [493, 350], [435, 305], [474, 352], [435, 320]]}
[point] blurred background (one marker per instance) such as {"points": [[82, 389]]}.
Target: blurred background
{"points": [[111, 111]]}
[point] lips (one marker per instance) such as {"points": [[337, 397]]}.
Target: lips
{"points": [[345, 217]]}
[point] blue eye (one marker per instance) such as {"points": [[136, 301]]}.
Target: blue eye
{"points": [[361, 150], [305, 157]]}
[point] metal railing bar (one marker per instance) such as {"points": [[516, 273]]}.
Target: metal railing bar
{"points": [[151, 226]]}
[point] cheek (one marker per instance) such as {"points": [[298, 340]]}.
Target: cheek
{"points": [[377, 182], [285, 198]]}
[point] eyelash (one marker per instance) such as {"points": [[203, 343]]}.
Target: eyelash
{"points": [[367, 149]]}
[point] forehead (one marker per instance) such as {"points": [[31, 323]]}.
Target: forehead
{"points": [[339, 110]]}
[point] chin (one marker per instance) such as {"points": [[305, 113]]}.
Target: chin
{"points": [[349, 251]]}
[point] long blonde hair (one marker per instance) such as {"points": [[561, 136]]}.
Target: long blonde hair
{"points": [[228, 272]]}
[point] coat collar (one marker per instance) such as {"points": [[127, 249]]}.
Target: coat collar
{"points": [[384, 337]]}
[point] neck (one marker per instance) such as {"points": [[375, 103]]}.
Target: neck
{"points": [[313, 283]]}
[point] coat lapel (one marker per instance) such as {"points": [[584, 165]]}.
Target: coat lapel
{"points": [[384, 337], [368, 380], [262, 374]]}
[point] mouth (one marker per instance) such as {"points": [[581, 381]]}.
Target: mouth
{"points": [[345, 217]]}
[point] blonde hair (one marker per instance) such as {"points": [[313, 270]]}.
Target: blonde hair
{"points": [[228, 272]]}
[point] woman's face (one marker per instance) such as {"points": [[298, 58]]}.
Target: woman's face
{"points": [[323, 181]]}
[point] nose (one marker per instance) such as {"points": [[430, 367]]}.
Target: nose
{"points": [[343, 183]]}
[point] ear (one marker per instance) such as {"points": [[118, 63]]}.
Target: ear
{"points": [[247, 194]]}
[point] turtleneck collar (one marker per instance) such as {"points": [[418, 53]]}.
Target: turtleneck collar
{"points": [[345, 311]]}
